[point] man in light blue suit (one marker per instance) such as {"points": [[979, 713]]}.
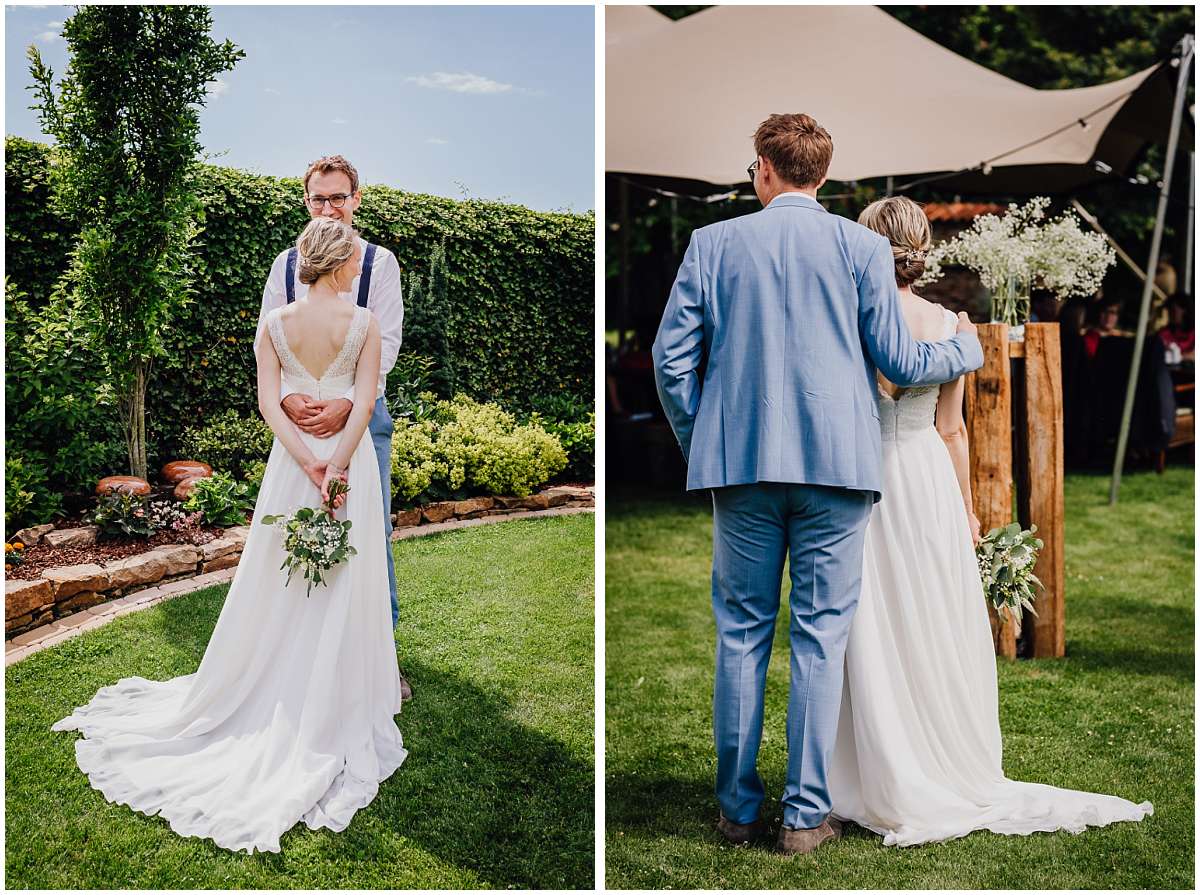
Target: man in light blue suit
{"points": [[766, 364]]}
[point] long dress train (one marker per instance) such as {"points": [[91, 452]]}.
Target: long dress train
{"points": [[918, 751], [290, 714]]}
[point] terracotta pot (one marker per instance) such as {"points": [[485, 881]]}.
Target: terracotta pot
{"points": [[178, 470], [130, 484]]}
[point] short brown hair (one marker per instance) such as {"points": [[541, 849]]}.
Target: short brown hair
{"points": [[331, 163], [798, 148]]}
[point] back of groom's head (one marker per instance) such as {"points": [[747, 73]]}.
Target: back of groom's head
{"points": [[798, 148]]}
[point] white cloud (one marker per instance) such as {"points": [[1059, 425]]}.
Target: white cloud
{"points": [[460, 82], [339, 121], [437, 141], [217, 88], [52, 33], [271, 90]]}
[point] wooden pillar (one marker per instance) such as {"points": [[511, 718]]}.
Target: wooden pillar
{"points": [[989, 431], [1042, 497]]}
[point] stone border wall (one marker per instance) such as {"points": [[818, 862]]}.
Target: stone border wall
{"points": [[66, 590]]}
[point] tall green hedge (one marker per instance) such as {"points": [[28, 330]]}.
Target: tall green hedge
{"points": [[520, 291]]}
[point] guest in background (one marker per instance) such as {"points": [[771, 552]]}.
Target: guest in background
{"points": [[1105, 325], [1179, 335]]}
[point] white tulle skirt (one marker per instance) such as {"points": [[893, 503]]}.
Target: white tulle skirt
{"points": [[918, 752], [290, 715]]}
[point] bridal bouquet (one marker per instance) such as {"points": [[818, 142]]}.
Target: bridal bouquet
{"points": [[313, 541], [1006, 558]]}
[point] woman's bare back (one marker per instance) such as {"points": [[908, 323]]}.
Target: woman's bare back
{"points": [[316, 331], [926, 323]]}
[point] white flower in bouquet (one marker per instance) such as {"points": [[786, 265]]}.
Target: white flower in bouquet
{"points": [[1067, 261], [313, 540], [1018, 250]]}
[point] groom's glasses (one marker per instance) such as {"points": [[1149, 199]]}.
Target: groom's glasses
{"points": [[752, 169], [316, 203]]}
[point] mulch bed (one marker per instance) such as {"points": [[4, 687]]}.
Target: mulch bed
{"points": [[43, 556]]}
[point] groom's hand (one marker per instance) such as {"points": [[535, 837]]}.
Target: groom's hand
{"points": [[299, 408], [329, 419]]}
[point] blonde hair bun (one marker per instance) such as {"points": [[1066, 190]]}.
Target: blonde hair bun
{"points": [[323, 247], [904, 224]]}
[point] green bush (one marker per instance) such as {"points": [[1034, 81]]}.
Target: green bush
{"points": [[467, 448], [27, 500], [573, 421], [121, 514], [61, 418], [253, 477], [579, 441], [222, 501], [229, 442]]}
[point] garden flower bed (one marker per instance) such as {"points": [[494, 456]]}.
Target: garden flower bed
{"points": [[66, 570]]}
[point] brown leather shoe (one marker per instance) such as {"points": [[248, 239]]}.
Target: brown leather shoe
{"points": [[405, 689], [740, 834], [801, 842]]}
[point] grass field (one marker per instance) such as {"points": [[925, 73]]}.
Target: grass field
{"points": [[1115, 716], [496, 637]]}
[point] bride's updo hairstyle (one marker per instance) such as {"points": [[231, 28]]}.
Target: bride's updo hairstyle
{"points": [[323, 247], [904, 223]]}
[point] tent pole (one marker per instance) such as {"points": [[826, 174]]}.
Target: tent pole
{"points": [[1121, 253], [623, 319], [1189, 258], [1187, 47]]}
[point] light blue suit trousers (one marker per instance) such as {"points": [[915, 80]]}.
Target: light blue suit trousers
{"points": [[380, 427], [820, 529]]}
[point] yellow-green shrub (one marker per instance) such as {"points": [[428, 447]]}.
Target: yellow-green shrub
{"points": [[466, 448]]}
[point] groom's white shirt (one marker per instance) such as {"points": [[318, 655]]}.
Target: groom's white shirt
{"points": [[384, 300]]}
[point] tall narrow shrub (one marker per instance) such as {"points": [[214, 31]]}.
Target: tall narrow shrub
{"points": [[126, 121]]}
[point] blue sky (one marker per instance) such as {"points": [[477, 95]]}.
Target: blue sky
{"points": [[487, 102]]}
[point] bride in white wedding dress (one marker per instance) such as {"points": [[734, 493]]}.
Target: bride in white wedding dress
{"points": [[290, 715], [918, 751]]}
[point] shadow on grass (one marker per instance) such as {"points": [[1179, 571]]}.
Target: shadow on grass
{"points": [[1158, 626], [479, 790]]}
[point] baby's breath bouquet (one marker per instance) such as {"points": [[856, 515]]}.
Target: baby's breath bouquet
{"points": [[1006, 558], [313, 540], [1021, 249]]}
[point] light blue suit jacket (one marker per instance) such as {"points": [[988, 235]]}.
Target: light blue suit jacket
{"points": [[790, 310]]}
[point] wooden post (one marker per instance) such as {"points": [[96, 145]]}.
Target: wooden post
{"points": [[989, 431], [1042, 498]]}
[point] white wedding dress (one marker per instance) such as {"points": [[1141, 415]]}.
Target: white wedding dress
{"points": [[917, 754], [290, 715]]}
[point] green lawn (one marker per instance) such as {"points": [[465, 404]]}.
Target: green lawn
{"points": [[496, 636], [1115, 716]]}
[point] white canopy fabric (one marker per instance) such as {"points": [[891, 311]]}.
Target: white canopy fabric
{"points": [[683, 99]]}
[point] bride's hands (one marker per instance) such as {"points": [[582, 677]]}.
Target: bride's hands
{"points": [[315, 470], [973, 521], [331, 473]]}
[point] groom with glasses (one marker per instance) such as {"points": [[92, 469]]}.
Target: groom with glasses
{"points": [[331, 190], [765, 363]]}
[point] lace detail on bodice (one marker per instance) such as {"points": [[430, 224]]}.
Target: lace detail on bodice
{"points": [[914, 408], [339, 375]]}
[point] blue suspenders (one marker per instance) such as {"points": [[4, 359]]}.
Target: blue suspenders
{"points": [[364, 280]]}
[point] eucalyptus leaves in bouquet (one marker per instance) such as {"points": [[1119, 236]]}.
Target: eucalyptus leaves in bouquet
{"points": [[1006, 559], [313, 540]]}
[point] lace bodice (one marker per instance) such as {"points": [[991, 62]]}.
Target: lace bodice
{"points": [[338, 376], [913, 409]]}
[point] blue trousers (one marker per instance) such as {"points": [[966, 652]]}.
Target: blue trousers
{"points": [[820, 530], [381, 428]]}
